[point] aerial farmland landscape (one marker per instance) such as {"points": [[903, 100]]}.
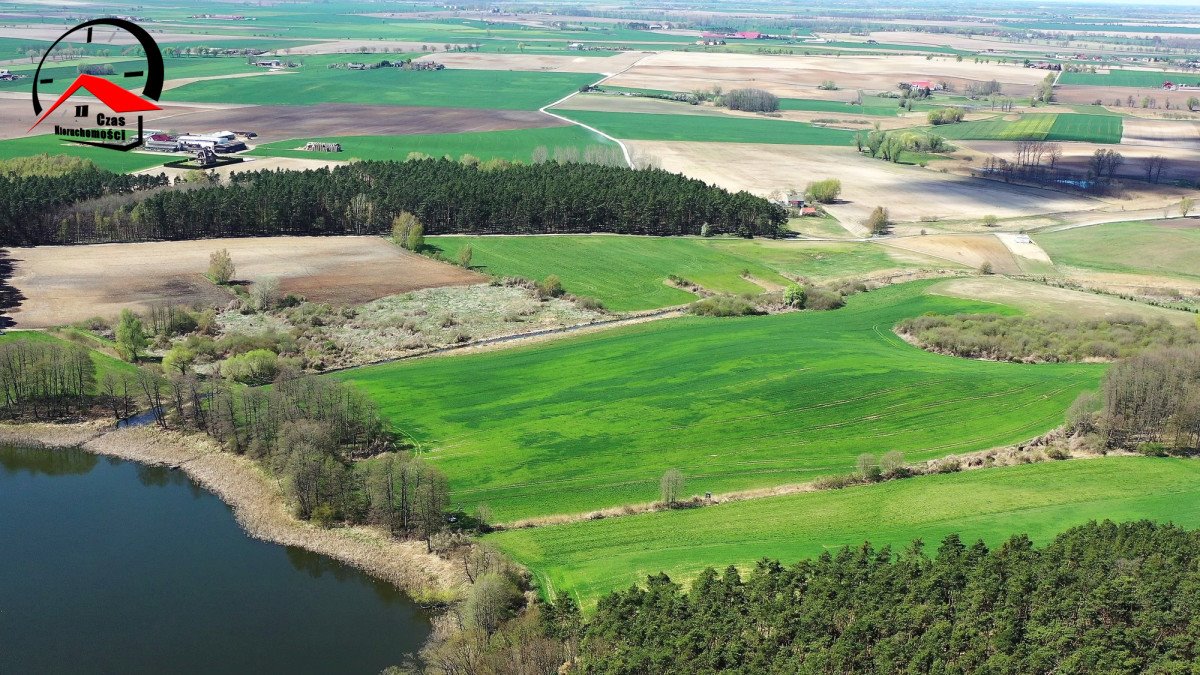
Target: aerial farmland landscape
{"points": [[355, 336]]}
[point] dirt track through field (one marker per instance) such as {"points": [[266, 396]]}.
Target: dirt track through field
{"points": [[66, 284]]}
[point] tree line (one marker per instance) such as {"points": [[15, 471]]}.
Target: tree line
{"points": [[45, 380], [1151, 402], [1099, 598], [364, 197], [42, 209]]}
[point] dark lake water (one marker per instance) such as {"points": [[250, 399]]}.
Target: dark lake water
{"points": [[109, 566]]}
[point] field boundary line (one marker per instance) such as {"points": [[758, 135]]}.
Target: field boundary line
{"points": [[624, 148], [924, 469]]}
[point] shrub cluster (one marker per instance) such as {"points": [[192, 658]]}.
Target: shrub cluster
{"points": [[946, 116], [1043, 339], [751, 100]]}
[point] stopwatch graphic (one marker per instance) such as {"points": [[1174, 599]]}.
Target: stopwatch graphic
{"points": [[120, 66]]}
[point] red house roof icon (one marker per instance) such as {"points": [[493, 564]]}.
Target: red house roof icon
{"points": [[117, 98]]}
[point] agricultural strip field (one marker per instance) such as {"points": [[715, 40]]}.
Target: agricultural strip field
{"points": [[515, 144], [1039, 127], [647, 126], [119, 162], [500, 90], [1164, 248], [629, 273], [871, 105], [1040, 299], [734, 403], [589, 559], [1130, 78]]}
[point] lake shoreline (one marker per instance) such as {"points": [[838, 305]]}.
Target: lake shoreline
{"points": [[257, 502]]}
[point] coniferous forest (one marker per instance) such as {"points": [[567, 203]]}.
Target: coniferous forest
{"points": [[93, 206], [1100, 598]]}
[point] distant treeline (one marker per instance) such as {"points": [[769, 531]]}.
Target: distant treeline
{"points": [[1100, 598], [364, 197], [41, 208]]}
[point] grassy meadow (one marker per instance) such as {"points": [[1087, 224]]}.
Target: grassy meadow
{"points": [[119, 162], [517, 144], [104, 362], [714, 128], [734, 403], [451, 88], [1152, 79], [1038, 127], [591, 558], [629, 273], [1164, 248]]}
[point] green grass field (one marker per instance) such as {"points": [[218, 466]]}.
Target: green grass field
{"points": [[592, 558], [452, 88], [1129, 78], [1165, 248], [593, 421], [628, 273], [120, 162], [871, 105], [104, 363], [1038, 127], [516, 144], [725, 129]]}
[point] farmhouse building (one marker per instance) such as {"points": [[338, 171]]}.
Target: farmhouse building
{"points": [[795, 201], [269, 63]]}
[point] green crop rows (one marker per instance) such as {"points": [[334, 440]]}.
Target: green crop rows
{"points": [[593, 421]]}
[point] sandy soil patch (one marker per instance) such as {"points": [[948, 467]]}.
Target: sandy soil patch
{"points": [[910, 193], [1022, 246], [1039, 298], [971, 250], [799, 76], [1164, 133], [536, 62], [64, 284]]}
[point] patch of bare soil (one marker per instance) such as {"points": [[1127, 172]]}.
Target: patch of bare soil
{"points": [[1182, 161], [283, 122], [799, 76], [972, 250], [910, 193], [65, 284]]}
